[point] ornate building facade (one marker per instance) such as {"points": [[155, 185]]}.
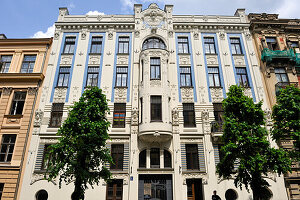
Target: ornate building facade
{"points": [[277, 44], [165, 76], [22, 68]]}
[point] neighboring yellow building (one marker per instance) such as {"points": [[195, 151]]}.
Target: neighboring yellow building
{"points": [[277, 44], [22, 68]]}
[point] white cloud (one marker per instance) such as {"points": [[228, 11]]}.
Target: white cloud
{"points": [[47, 34], [71, 6], [95, 12], [289, 9]]}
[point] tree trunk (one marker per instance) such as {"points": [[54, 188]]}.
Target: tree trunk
{"points": [[78, 193]]}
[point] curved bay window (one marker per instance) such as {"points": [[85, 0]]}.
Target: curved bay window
{"points": [[154, 43]]}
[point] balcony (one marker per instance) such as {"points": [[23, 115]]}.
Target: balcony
{"points": [[282, 85], [269, 56]]}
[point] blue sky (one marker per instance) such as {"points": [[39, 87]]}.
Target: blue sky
{"points": [[35, 18]]}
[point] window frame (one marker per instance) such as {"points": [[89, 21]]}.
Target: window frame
{"points": [[69, 46], [4, 68], [272, 45], [16, 103], [241, 76], [208, 44], [214, 77], [119, 80], [155, 108], [183, 46], [190, 156], [234, 45], [121, 45], [96, 43], [155, 158], [9, 145], [155, 67], [185, 75], [29, 63], [56, 115], [153, 43], [281, 74], [119, 111], [189, 114], [92, 81], [117, 154], [115, 184], [63, 74], [46, 157]]}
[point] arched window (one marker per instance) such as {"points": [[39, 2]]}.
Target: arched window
{"points": [[154, 43], [142, 159], [230, 194], [167, 159], [41, 195]]}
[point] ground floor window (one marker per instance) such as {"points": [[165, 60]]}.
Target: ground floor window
{"points": [[194, 189], [114, 190]]}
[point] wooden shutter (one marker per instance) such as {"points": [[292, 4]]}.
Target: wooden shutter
{"points": [[183, 157], [39, 157], [201, 157], [126, 157]]}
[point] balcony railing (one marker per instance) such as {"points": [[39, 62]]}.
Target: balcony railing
{"points": [[268, 55], [282, 85], [217, 126]]}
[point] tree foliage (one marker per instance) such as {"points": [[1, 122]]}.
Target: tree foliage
{"points": [[245, 140], [80, 154], [286, 117]]}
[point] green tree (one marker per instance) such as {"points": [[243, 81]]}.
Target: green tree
{"points": [[80, 154], [245, 140], [286, 117]]}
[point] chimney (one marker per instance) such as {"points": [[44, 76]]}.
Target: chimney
{"points": [[2, 36]]}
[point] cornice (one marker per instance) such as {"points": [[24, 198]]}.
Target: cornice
{"points": [[21, 77], [27, 41]]}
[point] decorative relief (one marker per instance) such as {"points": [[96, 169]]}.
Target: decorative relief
{"points": [[38, 118], [170, 33], [175, 117], [83, 35], [137, 34], [222, 35], [122, 60], [134, 117], [187, 95], [202, 90], [37, 177], [60, 95], [239, 61], [184, 60], [94, 60], [205, 122], [268, 116], [153, 16], [56, 35], [216, 95], [110, 35], [155, 83], [66, 59], [195, 175], [32, 90], [120, 95], [248, 92], [196, 36], [13, 121], [7, 91], [212, 60], [99, 17]]}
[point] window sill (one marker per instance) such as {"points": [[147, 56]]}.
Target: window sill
{"points": [[155, 79], [187, 171], [186, 87], [120, 127], [123, 54], [61, 87], [95, 54], [154, 169], [211, 54], [121, 87], [184, 54], [220, 87], [54, 126], [245, 87], [67, 54], [238, 54], [14, 116], [153, 121]]}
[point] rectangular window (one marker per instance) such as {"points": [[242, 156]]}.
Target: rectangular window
{"points": [[117, 154], [69, 45], [218, 111], [28, 64], [6, 60], [281, 75], [185, 77], [156, 114], [236, 46], [119, 115], [46, 157], [1, 189], [209, 45], [155, 158], [123, 45], [141, 109], [183, 45], [56, 115], [63, 77], [272, 43], [121, 76], [92, 77], [18, 103], [192, 159], [114, 190], [96, 45], [189, 115], [155, 68], [242, 77], [7, 147], [294, 44], [214, 77]]}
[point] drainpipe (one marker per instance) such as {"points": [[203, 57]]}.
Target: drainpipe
{"points": [[29, 124]]}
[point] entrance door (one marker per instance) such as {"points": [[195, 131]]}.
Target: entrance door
{"points": [[155, 187], [194, 189], [114, 190]]}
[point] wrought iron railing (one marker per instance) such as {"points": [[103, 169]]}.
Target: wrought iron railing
{"points": [[216, 126], [282, 85], [268, 55]]}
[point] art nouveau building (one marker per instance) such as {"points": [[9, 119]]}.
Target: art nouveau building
{"points": [[165, 76], [23, 65], [277, 43]]}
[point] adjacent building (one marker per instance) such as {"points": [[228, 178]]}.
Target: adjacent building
{"points": [[277, 44], [165, 76], [23, 65]]}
